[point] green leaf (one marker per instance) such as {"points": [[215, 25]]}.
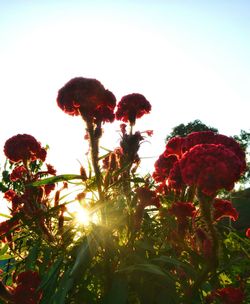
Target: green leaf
{"points": [[56, 179], [52, 274], [118, 292], [32, 256], [5, 215], [150, 269], [64, 286], [5, 257], [83, 257], [176, 263], [4, 249]]}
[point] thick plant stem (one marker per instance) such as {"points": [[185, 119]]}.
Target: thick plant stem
{"points": [[94, 149], [94, 136], [205, 205], [212, 262]]}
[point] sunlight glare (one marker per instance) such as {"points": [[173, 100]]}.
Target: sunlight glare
{"points": [[82, 216]]}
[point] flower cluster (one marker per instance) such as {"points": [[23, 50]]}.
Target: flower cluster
{"points": [[206, 160], [131, 107], [227, 295], [24, 150], [87, 97], [224, 208], [145, 239], [26, 290], [23, 147]]}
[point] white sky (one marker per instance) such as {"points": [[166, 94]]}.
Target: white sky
{"points": [[189, 58]]}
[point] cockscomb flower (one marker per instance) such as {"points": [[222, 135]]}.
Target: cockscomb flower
{"points": [[175, 180], [205, 159], [87, 97], [131, 107], [248, 233], [209, 137], [227, 295], [130, 144], [24, 147], [163, 165], [18, 173], [182, 210], [9, 195], [147, 197], [26, 289], [175, 146], [224, 208], [6, 227], [211, 167]]}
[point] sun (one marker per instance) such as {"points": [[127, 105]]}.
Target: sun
{"points": [[82, 216]]}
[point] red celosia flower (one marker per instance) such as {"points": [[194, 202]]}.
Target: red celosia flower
{"points": [[87, 97], [208, 160], [26, 290], [5, 227], [230, 295], [197, 138], [18, 173], [147, 197], [23, 147], [182, 210], [211, 167], [175, 146], [123, 128], [132, 106], [48, 188], [209, 137], [28, 278], [224, 208], [9, 195], [51, 169], [163, 166], [149, 132], [130, 145], [175, 180], [248, 233]]}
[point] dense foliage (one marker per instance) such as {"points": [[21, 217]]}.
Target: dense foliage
{"points": [[148, 240]]}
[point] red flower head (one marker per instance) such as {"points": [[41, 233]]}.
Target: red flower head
{"points": [[10, 195], [51, 169], [230, 295], [130, 145], [209, 137], [182, 210], [248, 233], [25, 292], [175, 180], [163, 165], [132, 106], [23, 147], [5, 227], [175, 146], [211, 167], [224, 208], [18, 173], [147, 197], [87, 97]]}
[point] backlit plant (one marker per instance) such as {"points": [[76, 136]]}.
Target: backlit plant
{"points": [[156, 239]]}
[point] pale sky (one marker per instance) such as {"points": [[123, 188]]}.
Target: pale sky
{"points": [[190, 59]]}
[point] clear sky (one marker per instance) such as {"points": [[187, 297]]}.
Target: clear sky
{"points": [[189, 58]]}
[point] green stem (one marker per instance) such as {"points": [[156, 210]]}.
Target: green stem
{"points": [[94, 148], [212, 262], [206, 213]]}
